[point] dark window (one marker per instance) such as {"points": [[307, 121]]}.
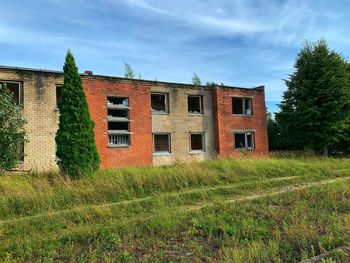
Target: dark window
{"points": [[119, 126], [118, 121], [244, 140], [195, 104], [240, 140], [242, 106], [58, 95], [118, 113], [159, 102], [21, 152], [197, 142], [161, 143], [237, 105], [16, 89]]}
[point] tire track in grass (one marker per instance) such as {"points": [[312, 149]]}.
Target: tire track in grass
{"points": [[137, 200], [282, 190], [186, 209], [285, 189]]}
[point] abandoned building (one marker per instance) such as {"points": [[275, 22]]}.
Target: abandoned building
{"points": [[140, 122]]}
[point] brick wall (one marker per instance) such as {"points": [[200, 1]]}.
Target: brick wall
{"points": [[140, 150], [226, 122]]}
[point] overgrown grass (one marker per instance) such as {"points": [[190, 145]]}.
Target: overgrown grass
{"points": [[177, 213]]}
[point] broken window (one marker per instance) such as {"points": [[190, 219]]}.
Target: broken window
{"points": [[244, 140], [161, 143], [120, 102], [159, 102], [242, 106], [195, 104], [197, 141], [58, 95], [21, 153], [118, 114], [118, 126], [118, 121], [16, 89]]}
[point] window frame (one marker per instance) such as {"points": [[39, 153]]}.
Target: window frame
{"points": [[203, 150], [167, 105], [244, 101], [201, 106], [114, 132], [20, 90], [160, 153], [58, 87], [246, 133], [20, 103]]}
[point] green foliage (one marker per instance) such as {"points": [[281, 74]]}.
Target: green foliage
{"points": [[128, 71], [196, 80], [12, 133], [212, 84], [315, 111], [274, 134], [76, 148]]}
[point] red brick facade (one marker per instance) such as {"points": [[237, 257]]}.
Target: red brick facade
{"points": [[140, 150], [226, 122]]}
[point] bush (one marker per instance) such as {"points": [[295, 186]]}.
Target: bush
{"points": [[12, 133]]}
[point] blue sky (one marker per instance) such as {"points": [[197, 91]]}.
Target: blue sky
{"points": [[236, 42]]}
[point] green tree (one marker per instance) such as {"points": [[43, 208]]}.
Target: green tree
{"points": [[273, 133], [315, 111], [128, 71], [12, 133], [212, 84], [76, 149], [196, 80]]}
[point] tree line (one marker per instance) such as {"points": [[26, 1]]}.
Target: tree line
{"points": [[315, 109]]}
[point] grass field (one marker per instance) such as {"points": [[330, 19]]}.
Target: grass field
{"points": [[275, 210]]}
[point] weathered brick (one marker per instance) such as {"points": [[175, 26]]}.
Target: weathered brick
{"points": [[226, 122], [217, 122]]}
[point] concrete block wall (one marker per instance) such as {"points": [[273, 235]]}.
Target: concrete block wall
{"points": [[179, 123], [39, 109]]}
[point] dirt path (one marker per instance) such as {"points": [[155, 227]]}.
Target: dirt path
{"points": [[290, 188]]}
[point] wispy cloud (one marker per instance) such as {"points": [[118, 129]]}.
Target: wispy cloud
{"points": [[238, 42]]}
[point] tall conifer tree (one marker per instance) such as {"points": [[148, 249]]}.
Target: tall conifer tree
{"points": [[76, 149]]}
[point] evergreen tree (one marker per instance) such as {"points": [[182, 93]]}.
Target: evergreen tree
{"points": [[315, 111], [196, 80], [12, 133], [128, 71], [76, 148]]}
